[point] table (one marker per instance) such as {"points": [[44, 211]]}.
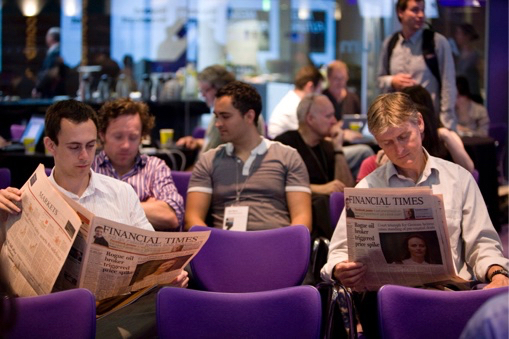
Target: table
{"points": [[181, 115]]}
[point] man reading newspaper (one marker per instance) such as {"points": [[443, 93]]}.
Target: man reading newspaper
{"points": [[71, 135], [476, 249]]}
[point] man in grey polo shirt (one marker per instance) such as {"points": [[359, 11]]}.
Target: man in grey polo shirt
{"points": [[249, 183]]}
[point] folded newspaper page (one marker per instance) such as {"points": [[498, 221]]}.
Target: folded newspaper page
{"points": [[400, 234], [83, 250]]}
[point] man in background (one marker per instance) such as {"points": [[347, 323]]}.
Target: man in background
{"points": [[122, 125], [403, 62], [319, 141], [249, 183]]}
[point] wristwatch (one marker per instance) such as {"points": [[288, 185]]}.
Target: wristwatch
{"points": [[502, 271]]}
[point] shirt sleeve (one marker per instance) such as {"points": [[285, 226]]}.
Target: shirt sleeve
{"points": [[137, 214], [384, 78], [482, 246], [448, 80], [163, 188], [338, 249], [201, 178], [297, 178]]}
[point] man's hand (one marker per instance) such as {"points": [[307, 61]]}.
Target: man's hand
{"points": [[190, 143], [402, 80], [349, 273], [9, 198], [181, 281], [337, 135], [498, 281]]}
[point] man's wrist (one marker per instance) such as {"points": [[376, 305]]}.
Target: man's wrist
{"points": [[339, 152], [499, 271]]}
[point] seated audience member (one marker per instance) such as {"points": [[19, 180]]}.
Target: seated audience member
{"points": [[437, 140], [319, 141], [210, 80], [344, 101], [397, 126], [71, 137], [122, 125], [284, 116], [250, 181], [473, 118]]}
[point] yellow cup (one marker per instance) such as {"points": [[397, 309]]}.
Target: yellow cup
{"points": [[355, 126], [29, 144], [166, 137]]}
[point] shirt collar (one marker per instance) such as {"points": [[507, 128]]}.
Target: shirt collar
{"points": [[262, 147], [415, 38], [103, 160], [93, 184], [391, 171]]}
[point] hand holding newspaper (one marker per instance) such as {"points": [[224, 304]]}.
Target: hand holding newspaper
{"points": [[55, 244], [400, 234]]}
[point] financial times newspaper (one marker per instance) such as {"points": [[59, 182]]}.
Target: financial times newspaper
{"points": [[55, 244], [400, 234]]}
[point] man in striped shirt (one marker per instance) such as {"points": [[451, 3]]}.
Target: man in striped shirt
{"points": [[122, 124]]}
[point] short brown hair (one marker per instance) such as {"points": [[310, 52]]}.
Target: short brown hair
{"points": [[124, 106], [244, 97], [390, 110], [73, 110], [401, 6], [306, 74]]}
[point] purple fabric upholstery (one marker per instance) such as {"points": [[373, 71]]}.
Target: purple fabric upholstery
{"points": [[199, 132], [336, 205], [406, 312], [293, 312], [17, 131], [475, 174], [181, 180], [232, 261], [66, 314], [5, 177]]}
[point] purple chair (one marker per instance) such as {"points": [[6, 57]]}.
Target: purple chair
{"points": [[293, 312], [5, 177], [199, 132], [406, 312], [475, 174], [336, 205], [232, 261], [66, 314], [181, 181], [17, 132]]}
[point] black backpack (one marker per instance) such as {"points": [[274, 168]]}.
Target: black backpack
{"points": [[428, 52]]}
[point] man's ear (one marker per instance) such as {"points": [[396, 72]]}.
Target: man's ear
{"points": [[250, 115], [101, 137], [49, 145]]}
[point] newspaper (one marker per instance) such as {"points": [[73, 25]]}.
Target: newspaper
{"points": [[54, 244], [401, 235]]}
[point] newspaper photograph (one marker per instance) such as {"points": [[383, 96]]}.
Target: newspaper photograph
{"points": [[56, 244], [400, 234]]}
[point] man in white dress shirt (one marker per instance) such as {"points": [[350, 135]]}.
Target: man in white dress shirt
{"points": [[71, 137]]}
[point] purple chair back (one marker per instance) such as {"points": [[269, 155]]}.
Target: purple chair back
{"points": [[406, 312], [475, 174], [199, 132], [293, 312], [336, 205], [252, 261], [66, 314], [17, 132], [181, 181], [5, 177]]}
